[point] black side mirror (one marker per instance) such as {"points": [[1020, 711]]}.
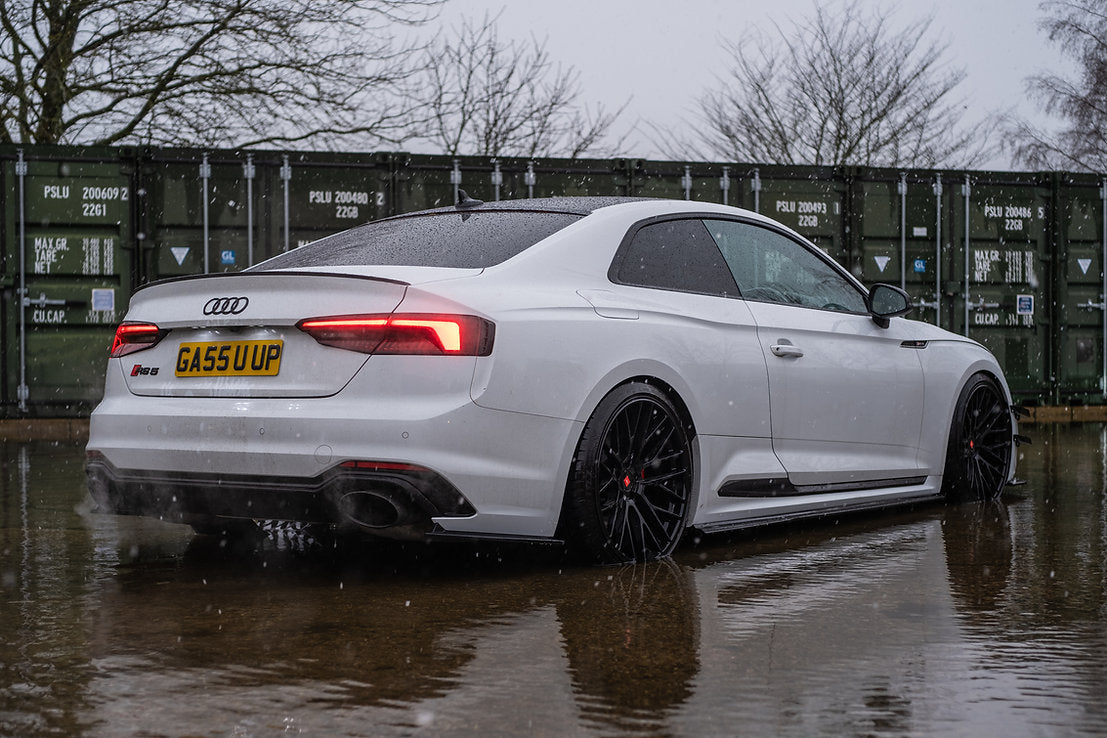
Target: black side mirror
{"points": [[886, 301]]}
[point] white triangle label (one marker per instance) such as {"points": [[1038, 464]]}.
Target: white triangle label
{"points": [[180, 252], [882, 262], [1084, 264]]}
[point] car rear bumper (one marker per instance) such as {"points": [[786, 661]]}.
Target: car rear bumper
{"points": [[394, 501], [184, 460]]}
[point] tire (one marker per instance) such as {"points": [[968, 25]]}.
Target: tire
{"points": [[978, 458], [630, 484]]}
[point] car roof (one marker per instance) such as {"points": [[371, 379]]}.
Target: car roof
{"points": [[587, 205], [567, 205]]}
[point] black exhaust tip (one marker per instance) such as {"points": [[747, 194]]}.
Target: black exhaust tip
{"points": [[374, 510]]}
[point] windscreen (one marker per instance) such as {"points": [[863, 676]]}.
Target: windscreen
{"points": [[464, 239]]}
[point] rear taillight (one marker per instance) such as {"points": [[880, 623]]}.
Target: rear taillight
{"points": [[412, 333], [132, 337]]}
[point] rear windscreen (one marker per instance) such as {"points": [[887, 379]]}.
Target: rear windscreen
{"points": [[466, 240]]}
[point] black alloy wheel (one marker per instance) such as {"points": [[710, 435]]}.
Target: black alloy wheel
{"points": [[630, 485], [978, 458]]}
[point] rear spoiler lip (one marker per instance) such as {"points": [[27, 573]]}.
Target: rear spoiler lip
{"points": [[232, 275]]}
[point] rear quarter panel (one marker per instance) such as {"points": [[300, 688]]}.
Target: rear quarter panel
{"points": [[556, 355]]}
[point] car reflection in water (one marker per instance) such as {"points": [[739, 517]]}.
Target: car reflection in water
{"points": [[412, 645], [838, 624]]}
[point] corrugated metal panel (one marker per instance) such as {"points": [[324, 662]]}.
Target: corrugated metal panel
{"points": [[1002, 261], [1079, 330], [74, 220]]}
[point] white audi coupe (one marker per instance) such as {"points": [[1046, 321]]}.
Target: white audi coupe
{"points": [[603, 372]]}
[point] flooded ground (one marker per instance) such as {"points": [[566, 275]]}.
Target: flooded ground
{"points": [[966, 620]]}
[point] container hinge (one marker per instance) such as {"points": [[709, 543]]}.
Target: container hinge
{"points": [[1021, 440], [1019, 411]]}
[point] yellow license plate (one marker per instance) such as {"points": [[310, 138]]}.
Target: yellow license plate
{"points": [[229, 359]]}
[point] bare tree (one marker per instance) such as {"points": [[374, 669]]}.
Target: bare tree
{"points": [[203, 72], [1080, 28], [842, 87], [490, 97]]}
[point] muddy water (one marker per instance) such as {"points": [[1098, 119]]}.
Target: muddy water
{"points": [[967, 620]]}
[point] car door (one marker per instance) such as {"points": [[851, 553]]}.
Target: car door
{"points": [[677, 284], [845, 395]]}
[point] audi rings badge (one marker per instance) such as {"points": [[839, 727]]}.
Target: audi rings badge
{"points": [[226, 305]]}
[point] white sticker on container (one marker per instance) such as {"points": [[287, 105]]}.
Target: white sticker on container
{"points": [[103, 300]]}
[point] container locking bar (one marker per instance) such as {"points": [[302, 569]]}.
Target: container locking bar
{"points": [[981, 305], [43, 301]]}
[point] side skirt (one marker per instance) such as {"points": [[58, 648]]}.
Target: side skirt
{"points": [[844, 508], [781, 487]]}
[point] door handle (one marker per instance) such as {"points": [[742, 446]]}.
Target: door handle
{"points": [[786, 350]]}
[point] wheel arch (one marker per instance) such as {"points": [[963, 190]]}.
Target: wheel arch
{"points": [[674, 395], [947, 370], [672, 392], [648, 371], [985, 370]]}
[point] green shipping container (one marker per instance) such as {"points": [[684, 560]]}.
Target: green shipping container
{"points": [[679, 181], [421, 181], [199, 214], [901, 238], [812, 201], [73, 227], [1080, 329], [326, 193], [1001, 273]]}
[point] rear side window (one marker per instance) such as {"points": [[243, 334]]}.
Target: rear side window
{"points": [[674, 255], [467, 240]]}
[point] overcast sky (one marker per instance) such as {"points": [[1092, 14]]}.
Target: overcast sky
{"points": [[661, 54]]}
